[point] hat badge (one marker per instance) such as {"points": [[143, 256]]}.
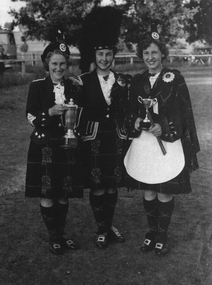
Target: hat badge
{"points": [[155, 35], [62, 47]]}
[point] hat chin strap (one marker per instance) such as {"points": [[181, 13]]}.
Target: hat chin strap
{"points": [[104, 47]]}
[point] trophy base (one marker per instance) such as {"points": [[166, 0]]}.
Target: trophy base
{"points": [[69, 143], [145, 126]]}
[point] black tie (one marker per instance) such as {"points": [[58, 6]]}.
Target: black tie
{"points": [[151, 74], [106, 77]]}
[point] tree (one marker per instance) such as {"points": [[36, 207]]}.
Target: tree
{"points": [[53, 19], [199, 26], [140, 13]]}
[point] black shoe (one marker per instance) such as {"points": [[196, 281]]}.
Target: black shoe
{"points": [[148, 245], [101, 241], [161, 249], [114, 235], [68, 243], [55, 248]]}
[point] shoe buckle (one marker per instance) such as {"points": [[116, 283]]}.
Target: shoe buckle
{"points": [[69, 242], [56, 245], [101, 239], [147, 241], [159, 245]]}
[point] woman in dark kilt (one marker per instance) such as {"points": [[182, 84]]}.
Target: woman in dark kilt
{"points": [[100, 126], [54, 173], [163, 151]]}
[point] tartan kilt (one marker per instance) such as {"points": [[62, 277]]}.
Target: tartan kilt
{"points": [[178, 185], [104, 156], [54, 172]]}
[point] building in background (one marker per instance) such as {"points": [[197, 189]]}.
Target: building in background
{"points": [[7, 40]]}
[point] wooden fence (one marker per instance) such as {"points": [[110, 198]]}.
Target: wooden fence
{"points": [[204, 59]]}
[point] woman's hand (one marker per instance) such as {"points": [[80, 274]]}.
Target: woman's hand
{"points": [[57, 110], [156, 130], [137, 124]]}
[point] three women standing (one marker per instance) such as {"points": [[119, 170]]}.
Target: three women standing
{"points": [[160, 158]]}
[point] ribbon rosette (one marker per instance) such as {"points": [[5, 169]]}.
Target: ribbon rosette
{"points": [[121, 81], [168, 77]]}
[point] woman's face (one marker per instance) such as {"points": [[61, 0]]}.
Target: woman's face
{"points": [[57, 67], [152, 57], [104, 59]]}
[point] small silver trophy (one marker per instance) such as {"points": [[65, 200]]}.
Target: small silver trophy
{"points": [[147, 102], [148, 121]]}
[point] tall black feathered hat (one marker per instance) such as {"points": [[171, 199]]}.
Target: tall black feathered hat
{"points": [[100, 30]]}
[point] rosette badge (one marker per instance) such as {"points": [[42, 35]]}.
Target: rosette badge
{"points": [[168, 77], [62, 47], [155, 35], [121, 81]]}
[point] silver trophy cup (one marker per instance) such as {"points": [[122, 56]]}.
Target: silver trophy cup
{"points": [[70, 117], [148, 121]]}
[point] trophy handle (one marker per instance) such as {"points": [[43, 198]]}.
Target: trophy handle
{"points": [[62, 118]]}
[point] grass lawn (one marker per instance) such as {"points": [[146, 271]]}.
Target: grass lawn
{"points": [[24, 254]]}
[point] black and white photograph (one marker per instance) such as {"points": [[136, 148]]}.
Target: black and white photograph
{"points": [[106, 142]]}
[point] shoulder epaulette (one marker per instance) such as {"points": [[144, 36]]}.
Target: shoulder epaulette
{"points": [[39, 79]]}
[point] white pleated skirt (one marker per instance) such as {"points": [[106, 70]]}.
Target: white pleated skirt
{"points": [[145, 162]]}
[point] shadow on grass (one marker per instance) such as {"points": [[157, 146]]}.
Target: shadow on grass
{"points": [[25, 258]]}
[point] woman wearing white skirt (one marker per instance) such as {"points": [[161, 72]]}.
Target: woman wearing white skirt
{"points": [[163, 150]]}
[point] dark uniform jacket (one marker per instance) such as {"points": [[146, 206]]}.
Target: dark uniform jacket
{"points": [[40, 98], [175, 113], [96, 109]]}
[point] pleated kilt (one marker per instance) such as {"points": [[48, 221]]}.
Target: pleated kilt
{"points": [[104, 158], [178, 185], [54, 172]]}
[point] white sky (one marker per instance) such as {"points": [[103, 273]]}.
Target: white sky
{"points": [[5, 8]]}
